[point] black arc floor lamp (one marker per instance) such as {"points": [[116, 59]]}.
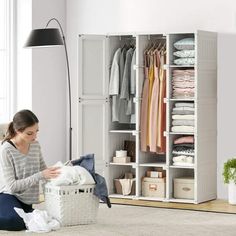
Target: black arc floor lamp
{"points": [[49, 37]]}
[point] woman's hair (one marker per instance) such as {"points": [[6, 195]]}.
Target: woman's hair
{"points": [[21, 120]]}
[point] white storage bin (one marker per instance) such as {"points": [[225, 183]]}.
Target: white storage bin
{"points": [[184, 188], [73, 204], [154, 187]]}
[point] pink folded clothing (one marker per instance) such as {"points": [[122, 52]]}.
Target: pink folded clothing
{"points": [[182, 95], [183, 72], [182, 78], [184, 90], [183, 85], [184, 139]]}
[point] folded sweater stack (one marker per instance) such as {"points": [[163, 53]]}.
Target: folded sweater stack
{"points": [[183, 151], [183, 84]]}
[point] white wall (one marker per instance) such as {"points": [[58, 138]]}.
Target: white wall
{"points": [[106, 16], [42, 76], [24, 56], [49, 83]]}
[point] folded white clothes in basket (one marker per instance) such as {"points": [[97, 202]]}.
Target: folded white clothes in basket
{"points": [[38, 221], [72, 175]]}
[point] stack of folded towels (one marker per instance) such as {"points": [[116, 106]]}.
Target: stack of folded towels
{"points": [[183, 151], [183, 117]]}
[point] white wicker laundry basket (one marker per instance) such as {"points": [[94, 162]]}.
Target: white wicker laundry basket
{"points": [[73, 204]]}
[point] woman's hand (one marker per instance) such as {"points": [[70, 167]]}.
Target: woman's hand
{"points": [[51, 172]]}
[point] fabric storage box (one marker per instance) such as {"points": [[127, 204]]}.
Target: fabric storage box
{"points": [[72, 204], [153, 187], [118, 187], [184, 188], [121, 159], [156, 174]]}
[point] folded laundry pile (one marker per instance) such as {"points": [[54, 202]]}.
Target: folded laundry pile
{"points": [[183, 151], [72, 175], [183, 117]]}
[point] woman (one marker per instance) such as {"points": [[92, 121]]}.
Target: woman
{"points": [[21, 168]]}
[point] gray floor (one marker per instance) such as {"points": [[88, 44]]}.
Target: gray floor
{"points": [[137, 221]]}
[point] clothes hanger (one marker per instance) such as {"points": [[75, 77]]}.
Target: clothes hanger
{"points": [[163, 47], [156, 49], [150, 44]]}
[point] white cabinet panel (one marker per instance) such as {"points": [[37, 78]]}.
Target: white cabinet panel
{"points": [[93, 131], [93, 67]]}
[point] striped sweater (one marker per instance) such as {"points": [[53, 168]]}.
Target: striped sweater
{"points": [[20, 173]]}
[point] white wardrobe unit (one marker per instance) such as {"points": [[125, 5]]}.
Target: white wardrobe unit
{"points": [[99, 135]]}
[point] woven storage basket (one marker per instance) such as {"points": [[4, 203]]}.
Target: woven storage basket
{"points": [[73, 204]]}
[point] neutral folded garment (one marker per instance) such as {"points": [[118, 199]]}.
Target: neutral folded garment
{"points": [[183, 158], [183, 164], [183, 153], [183, 117], [183, 150], [182, 112], [183, 108], [184, 104], [182, 128], [183, 122], [181, 146]]}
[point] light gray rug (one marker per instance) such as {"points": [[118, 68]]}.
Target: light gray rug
{"points": [[146, 221]]}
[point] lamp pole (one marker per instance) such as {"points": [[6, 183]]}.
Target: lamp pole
{"points": [[69, 87]]}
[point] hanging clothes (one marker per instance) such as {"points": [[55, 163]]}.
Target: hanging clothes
{"points": [[144, 106], [161, 140], [153, 108], [153, 128], [125, 92], [123, 118], [119, 86], [151, 80], [114, 85], [133, 88]]}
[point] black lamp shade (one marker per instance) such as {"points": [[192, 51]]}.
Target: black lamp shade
{"points": [[44, 37]]}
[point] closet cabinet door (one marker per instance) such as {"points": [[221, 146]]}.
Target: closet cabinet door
{"points": [[93, 68], [93, 130], [206, 110]]}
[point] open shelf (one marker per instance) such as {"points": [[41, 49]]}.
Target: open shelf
{"points": [[182, 200], [182, 167], [122, 164], [124, 131], [163, 165], [122, 196]]}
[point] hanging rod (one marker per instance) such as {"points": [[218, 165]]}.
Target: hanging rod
{"points": [[155, 38]]}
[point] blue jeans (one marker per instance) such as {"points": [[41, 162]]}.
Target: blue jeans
{"points": [[9, 219]]}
